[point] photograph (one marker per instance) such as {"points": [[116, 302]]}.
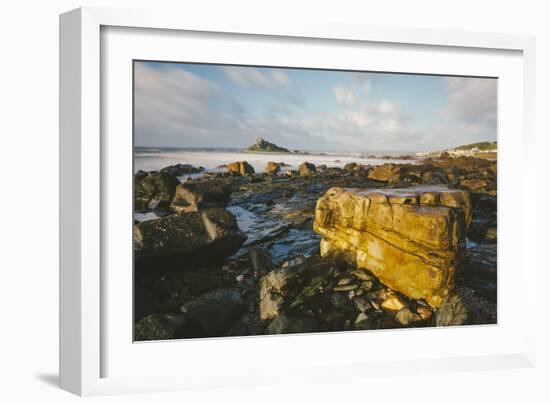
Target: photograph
{"points": [[280, 200]]}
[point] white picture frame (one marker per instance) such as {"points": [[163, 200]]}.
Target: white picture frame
{"points": [[87, 179]]}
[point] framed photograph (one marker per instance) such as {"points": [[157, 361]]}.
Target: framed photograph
{"points": [[237, 198]]}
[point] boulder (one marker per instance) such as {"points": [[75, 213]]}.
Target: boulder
{"points": [[201, 236], [200, 195], [242, 168], [453, 312], [411, 239], [473, 184], [288, 324], [260, 260], [307, 169], [160, 327], [181, 169], [154, 189], [352, 167], [216, 311], [273, 168], [386, 173], [281, 287]]}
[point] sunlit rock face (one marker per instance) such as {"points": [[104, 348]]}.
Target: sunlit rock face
{"points": [[411, 239]]}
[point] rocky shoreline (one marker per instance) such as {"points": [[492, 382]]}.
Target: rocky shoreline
{"points": [[235, 253]]}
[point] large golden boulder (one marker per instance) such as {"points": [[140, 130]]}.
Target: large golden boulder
{"points": [[411, 239]]}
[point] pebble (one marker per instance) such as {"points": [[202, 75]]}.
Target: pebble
{"points": [[359, 292], [424, 312], [347, 287], [362, 321], [361, 304], [344, 281], [405, 317], [366, 285]]}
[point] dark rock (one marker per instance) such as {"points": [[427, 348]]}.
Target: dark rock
{"points": [[473, 184], [352, 167], [307, 169], [146, 301], [160, 327], [285, 325], [158, 187], [293, 283], [453, 312], [200, 195], [260, 260], [363, 322], [198, 281], [201, 236], [405, 317], [216, 311], [181, 169]]}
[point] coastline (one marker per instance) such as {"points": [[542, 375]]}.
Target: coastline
{"points": [[266, 227]]}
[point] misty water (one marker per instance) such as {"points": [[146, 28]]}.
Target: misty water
{"points": [[213, 160]]}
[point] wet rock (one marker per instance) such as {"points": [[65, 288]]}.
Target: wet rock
{"points": [[352, 167], [156, 187], [405, 317], [411, 239], [199, 281], [453, 312], [200, 195], [216, 311], [291, 173], [423, 312], [473, 184], [362, 304], [146, 301], [202, 236], [272, 168], [260, 261], [160, 327], [292, 285], [347, 287], [363, 322], [391, 173], [285, 325], [181, 169], [242, 168], [307, 169]]}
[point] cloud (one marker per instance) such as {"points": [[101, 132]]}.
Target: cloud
{"points": [[350, 96], [344, 96], [174, 106], [473, 101], [251, 76]]}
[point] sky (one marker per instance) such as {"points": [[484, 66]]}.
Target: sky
{"points": [[205, 105]]}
